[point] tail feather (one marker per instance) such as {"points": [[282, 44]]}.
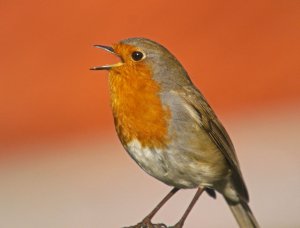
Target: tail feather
{"points": [[243, 214]]}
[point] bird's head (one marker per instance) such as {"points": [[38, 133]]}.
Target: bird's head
{"points": [[140, 57]]}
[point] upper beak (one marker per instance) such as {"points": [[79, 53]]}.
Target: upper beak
{"points": [[107, 67]]}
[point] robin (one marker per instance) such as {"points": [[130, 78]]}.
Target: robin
{"points": [[166, 125]]}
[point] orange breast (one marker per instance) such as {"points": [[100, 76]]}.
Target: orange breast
{"points": [[137, 108]]}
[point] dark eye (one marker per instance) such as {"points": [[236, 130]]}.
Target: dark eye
{"points": [[137, 55]]}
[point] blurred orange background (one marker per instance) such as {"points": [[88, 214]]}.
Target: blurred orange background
{"points": [[244, 56]]}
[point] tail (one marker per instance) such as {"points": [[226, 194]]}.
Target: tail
{"points": [[243, 214]]}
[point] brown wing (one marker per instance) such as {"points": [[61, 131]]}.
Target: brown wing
{"points": [[217, 133]]}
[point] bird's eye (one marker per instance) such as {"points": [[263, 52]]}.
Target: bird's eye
{"points": [[137, 55]]}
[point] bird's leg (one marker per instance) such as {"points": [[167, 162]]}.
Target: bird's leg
{"points": [[146, 223], [188, 210], [148, 218]]}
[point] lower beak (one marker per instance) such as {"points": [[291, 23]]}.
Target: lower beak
{"points": [[107, 67]]}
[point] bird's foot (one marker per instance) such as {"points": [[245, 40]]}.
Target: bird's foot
{"points": [[151, 225], [177, 225], [147, 224]]}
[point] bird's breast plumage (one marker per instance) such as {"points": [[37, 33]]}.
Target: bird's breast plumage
{"points": [[137, 108]]}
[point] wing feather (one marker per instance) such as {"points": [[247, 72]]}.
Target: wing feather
{"points": [[209, 121]]}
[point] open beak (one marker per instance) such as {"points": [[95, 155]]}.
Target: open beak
{"points": [[107, 67]]}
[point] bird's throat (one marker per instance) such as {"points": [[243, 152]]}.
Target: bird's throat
{"points": [[137, 108]]}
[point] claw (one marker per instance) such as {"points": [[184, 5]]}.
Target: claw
{"points": [[148, 225]]}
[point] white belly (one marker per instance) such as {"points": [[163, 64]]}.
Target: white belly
{"points": [[149, 159], [162, 165]]}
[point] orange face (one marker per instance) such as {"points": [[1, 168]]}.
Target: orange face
{"points": [[126, 51], [137, 108]]}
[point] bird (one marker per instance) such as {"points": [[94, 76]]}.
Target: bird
{"points": [[168, 128]]}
